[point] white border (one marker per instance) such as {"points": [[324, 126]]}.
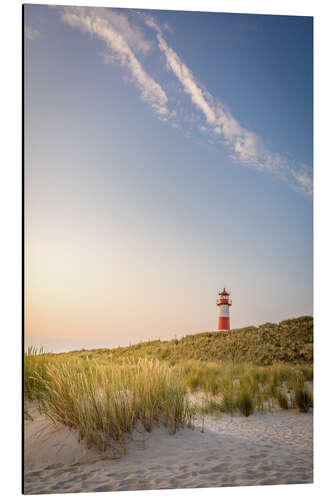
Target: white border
{"points": [[10, 270]]}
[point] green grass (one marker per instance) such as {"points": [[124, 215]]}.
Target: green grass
{"points": [[245, 403], [36, 363], [287, 342], [282, 400], [109, 394], [225, 385], [106, 404], [303, 399]]}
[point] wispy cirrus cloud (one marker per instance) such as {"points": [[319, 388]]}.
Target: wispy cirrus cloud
{"points": [[246, 147], [122, 39], [126, 41]]}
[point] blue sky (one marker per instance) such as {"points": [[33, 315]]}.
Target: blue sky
{"points": [[168, 154]]}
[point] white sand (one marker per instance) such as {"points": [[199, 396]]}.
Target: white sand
{"points": [[269, 448]]}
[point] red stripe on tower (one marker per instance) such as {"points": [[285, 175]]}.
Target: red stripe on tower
{"points": [[223, 323], [223, 303]]}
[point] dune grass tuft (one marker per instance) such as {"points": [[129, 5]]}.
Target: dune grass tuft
{"points": [[303, 399], [245, 403], [282, 400], [107, 404]]}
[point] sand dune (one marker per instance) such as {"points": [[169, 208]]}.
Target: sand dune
{"points": [[269, 448]]}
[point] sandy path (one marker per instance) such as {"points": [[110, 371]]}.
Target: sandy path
{"points": [[270, 448]]}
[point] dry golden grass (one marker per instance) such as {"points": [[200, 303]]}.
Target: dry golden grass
{"points": [[107, 395], [106, 404]]}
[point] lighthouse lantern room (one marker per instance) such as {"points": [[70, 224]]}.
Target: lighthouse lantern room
{"points": [[223, 303]]}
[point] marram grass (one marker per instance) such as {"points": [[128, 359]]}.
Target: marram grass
{"points": [[107, 398], [106, 404], [303, 399]]}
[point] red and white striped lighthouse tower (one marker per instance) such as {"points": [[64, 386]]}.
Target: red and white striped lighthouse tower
{"points": [[223, 304]]}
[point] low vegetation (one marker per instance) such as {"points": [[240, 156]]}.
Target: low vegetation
{"points": [[110, 395], [303, 399], [246, 387], [106, 404], [290, 341]]}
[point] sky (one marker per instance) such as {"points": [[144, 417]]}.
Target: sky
{"points": [[167, 155]]}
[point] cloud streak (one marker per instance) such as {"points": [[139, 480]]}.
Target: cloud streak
{"points": [[126, 41], [246, 146], [101, 23]]}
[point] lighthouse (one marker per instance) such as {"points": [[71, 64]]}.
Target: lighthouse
{"points": [[223, 304]]}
